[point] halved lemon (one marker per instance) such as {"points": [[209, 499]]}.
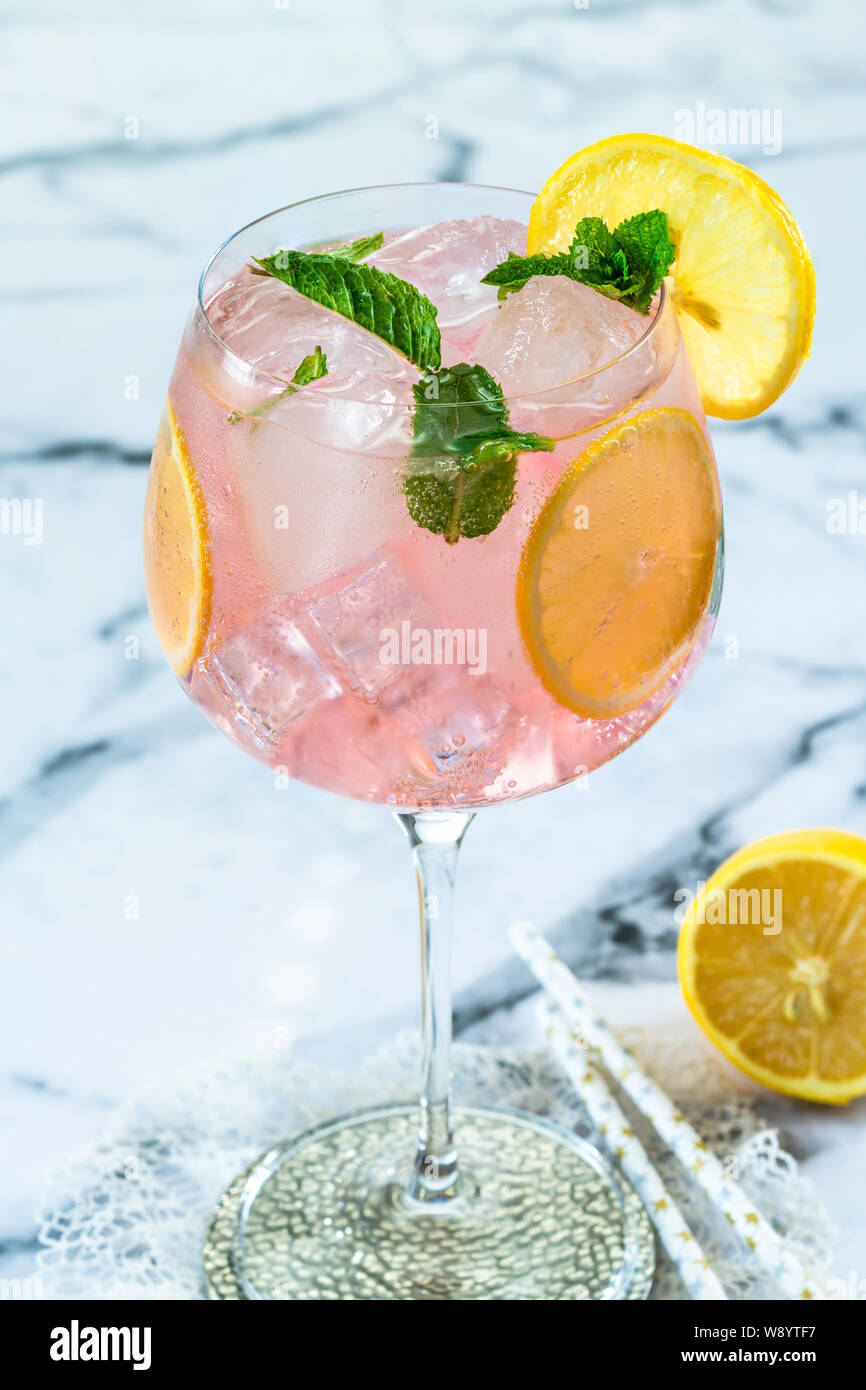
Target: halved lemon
{"points": [[176, 560], [772, 962], [742, 283], [618, 568]]}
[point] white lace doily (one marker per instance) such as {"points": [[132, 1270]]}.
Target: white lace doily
{"points": [[126, 1219]]}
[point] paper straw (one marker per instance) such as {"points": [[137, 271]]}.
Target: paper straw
{"points": [[632, 1158], [763, 1243]]}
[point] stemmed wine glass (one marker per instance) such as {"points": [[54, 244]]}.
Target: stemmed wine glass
{"points": [[380, 621]]}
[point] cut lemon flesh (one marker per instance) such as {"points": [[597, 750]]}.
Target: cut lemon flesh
{"points": [[618, 568], [742, 282], [772, 962], [176, 563]]}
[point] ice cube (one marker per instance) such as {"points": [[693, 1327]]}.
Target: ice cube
{"points": [[267, 677], [273, 327], [367, 622], [363, 403], [448, 261], [554, 330], [312, 509], [315, 472], [460, 719]]}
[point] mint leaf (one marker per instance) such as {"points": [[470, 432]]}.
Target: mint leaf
{"points": [[312, 367], [598, 260], [627, 264], [356, 250], [513, 273], [377, 300], [462, 463], [646, 242]]}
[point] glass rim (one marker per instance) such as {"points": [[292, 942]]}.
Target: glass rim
{"points": [[517, 398]]}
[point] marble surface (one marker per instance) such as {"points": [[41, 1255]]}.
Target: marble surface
{"points": [[160, 899]]}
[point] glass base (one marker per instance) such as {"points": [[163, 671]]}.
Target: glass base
{"points": [[539, 1214]]}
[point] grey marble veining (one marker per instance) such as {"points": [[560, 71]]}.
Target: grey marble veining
{"points": [[134, 140]]}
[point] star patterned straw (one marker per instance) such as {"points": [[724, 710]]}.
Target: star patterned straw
{"points": [[632, 1158], [761, 1240]]}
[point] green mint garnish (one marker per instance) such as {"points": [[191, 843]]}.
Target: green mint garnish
{"points": [[382, 303], [356, 250], [310, 369], [462, 467], [627, 264], [649, 249], [462, 463]]}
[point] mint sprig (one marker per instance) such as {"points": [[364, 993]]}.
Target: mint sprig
{"points": [[627, 264], [649, 250], [463, 460], [311, 368], [462, 468], [381, 302]]}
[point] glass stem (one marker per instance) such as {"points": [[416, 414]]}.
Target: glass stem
{"points": [[435, 838]]}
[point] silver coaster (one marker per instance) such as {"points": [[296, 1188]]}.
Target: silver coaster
{"points": [[541, 1216]]}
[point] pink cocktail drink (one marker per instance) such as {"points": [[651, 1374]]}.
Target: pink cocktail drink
{"points": [[342, 642]]}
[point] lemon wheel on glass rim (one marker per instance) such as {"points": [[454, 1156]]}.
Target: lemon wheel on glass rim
{"points": [[742, 282]]}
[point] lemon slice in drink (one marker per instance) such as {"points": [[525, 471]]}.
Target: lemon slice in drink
{"points": [[176, 561], [742, 282], [772, 962], [618, 568]]}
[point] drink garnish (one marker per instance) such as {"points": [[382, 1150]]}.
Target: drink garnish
{"points": [[743, 285], [628, 263], [394, 310], [356, 250], [177, 559], [618, 568], [462, 463], [314, 366]]}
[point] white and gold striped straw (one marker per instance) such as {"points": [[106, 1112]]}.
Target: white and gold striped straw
{"points": [[763, 1243], [630, 1155]]}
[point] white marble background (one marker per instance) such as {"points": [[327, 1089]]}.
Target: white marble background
{"points": [[259, 909]]}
